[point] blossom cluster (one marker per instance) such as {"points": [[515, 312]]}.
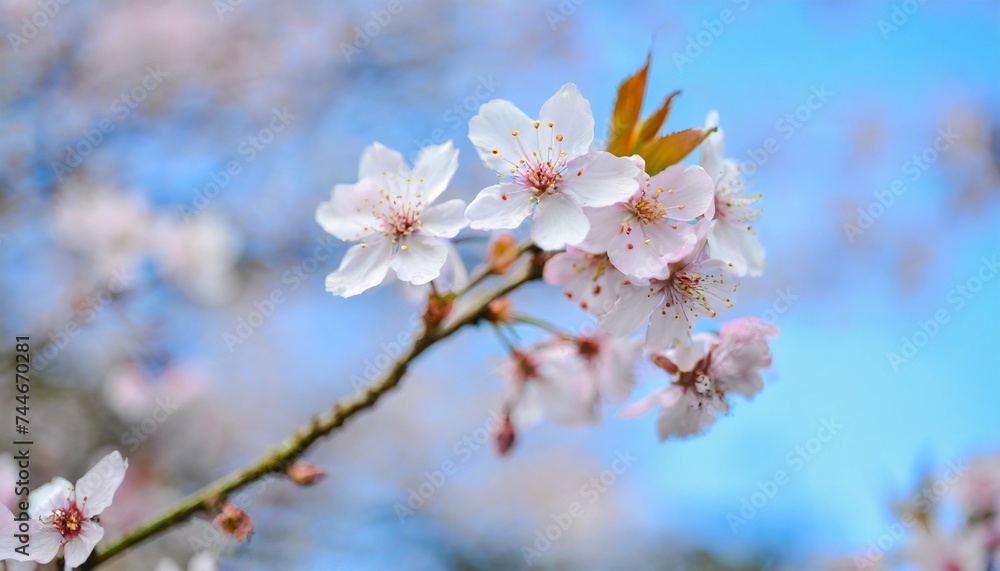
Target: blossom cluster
{"points": [[637, 239]]}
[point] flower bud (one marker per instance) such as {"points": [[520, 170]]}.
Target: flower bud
{"points": [[305, 474], [501, 253], [234, 522], [438, 308], [504, 437], [498, 311]]}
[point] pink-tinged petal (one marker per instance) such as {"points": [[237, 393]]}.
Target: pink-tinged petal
{"points": [[378, 161], [734, 244], [79, 548], [572, 121], [444, 220], [364, 266], [685, 357], [615, 366], [669, 325], [493, 128], [631, 310], [564, 267], [45, 543], [649, 402], [589, 280], [689, 416], [96, 489], [605, 223], [433, 169], [600, 179], [349, 213], [419, 259], [558, 221], [8, 529], [648, 250], [688, 191], [501, 206], [52, 496]]}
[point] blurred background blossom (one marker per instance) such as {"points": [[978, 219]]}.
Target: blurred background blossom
{"points": [[162, 162]]}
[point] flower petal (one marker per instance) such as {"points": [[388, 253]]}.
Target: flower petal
{"points": [[96, 489], [501, 206], [571, 118], [736, 245], [78, 549], [631, 310], [445, 219], [492, 129], [688, 191], [50, 497], [631, 253], [379, 160], [349, 213], [600, 179], [364, 266], [435, 165], [558, 221], [605, 223], [419, 259]]}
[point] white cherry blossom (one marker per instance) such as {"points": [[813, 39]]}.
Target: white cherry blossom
{"points": [[65, 514], [733, 239], [697, 287], [649, 231], [545, 169], [389, 211], [590, 280]]}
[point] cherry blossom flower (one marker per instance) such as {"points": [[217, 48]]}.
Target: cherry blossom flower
{"points": [[647, 232], [706, 371], [733, 239], [66, 514], [546, 169], [590, 280], [203, 561], [692, 402], [696, 288], [389, 211], [564, 380]]}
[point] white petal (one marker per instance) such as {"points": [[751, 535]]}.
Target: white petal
{"points": [[713, 148], [364, 266], [166, 564], [445, 219], [203, 561], [45, 543], [686, 418], [600, 179], [687, 356], [668, 326], [78, 549], [738, 246], [501, 206], [378, 161], [492, 129], [558, 221], [95, 490], [8, 528], [419, 259], [572, 118], [605, 224], [687, 191], [662, 397], [633, 256], [435, 165], [50, 497], [631, 310], [349, 214]]}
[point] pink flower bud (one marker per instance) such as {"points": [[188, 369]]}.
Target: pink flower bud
{"points": [[305, 474]]}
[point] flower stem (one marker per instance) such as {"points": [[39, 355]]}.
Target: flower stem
{"points": [[276, 460], [553, 329]]}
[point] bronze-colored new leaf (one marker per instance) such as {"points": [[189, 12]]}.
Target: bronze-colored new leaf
{"points": [[628, 106], [671, 149], [651, 126]]}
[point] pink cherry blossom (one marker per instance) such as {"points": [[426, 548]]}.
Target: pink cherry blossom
{"points": [[546, 169], [967, 550], [8, 542], [66, 514], [733, 239], [646, 233], [389, 211], [742, 351], [697, 287], [590, 280], [978, 491]]}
